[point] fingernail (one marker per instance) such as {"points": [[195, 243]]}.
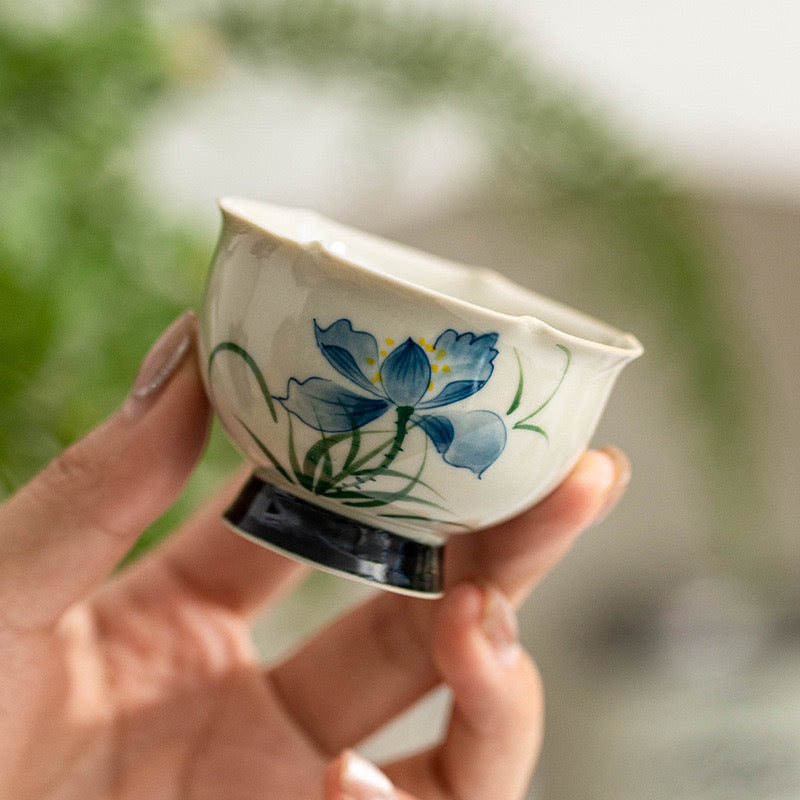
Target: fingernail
{"points": [[500, 627], [362, 780], [622, 472], [162, 360]]}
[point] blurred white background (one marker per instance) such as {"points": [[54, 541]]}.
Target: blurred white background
{"points": [[708, 87], [711, 85]]}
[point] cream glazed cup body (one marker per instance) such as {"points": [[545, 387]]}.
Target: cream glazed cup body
{"points": [[394, 389]]}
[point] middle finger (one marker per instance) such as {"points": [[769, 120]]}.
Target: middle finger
{"points": [[373, 663]]}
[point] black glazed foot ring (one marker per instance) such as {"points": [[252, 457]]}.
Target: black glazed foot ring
{"points": [[334, 542]]}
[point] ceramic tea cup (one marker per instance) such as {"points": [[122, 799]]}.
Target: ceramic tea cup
{"points": [[386, 398]]}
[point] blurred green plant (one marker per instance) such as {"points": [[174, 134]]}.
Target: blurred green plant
{"points": [[90, 270]]}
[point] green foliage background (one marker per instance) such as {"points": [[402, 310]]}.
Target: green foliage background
{"points": [[91, 270]]}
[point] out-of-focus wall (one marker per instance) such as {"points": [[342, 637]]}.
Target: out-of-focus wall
{"points": [[665, 676]]}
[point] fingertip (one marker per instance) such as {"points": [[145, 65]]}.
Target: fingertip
{"points": [[496, 725], [162, 361], [457, 618], [483, 612], [622, 464], [476, 641], [500, 628], [624, 473], [332, 780], [351, 777], [160, 438], [595, 469], [519, 552], [460, 605], [575, 503]]}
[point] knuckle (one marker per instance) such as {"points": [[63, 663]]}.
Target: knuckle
{"points": [[79, 484], [75, 479], [74, 467]]}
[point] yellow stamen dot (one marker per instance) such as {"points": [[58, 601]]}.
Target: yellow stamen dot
{"points": [[445, 368], [429, 348], [383, 353], [370, 361], [440, 354], [377, 378], [434, 367], [430, 386], [422, 341], [390, 341]]}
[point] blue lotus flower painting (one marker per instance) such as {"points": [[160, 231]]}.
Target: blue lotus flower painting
{"points": [[388, 398], [417, 380]]}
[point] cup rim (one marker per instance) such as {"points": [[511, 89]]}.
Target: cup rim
{"points": [[247, 211]]}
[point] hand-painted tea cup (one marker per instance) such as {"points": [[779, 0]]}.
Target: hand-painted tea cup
{"points": [[387, 398]]}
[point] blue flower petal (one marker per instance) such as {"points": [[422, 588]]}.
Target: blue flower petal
{"points": [[452, 393], [353, 354], [466, 363], [439, 428], [469, 439], [323, 405], [406, 374]]}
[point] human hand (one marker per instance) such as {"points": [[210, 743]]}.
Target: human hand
{"points": [[147, 685]]}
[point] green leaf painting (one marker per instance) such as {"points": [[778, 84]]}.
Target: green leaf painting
{"points": [[418, 384]]}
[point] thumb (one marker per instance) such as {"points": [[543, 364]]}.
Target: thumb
{"points": [[352, 777], [62, 533]]}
